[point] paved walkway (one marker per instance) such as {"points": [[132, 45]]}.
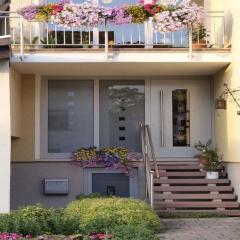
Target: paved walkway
{"points": [[202, 229]]}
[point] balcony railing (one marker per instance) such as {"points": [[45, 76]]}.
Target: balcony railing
{"points": [[40, 35]]}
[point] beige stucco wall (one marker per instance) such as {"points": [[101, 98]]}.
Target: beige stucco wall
{"points": [[16, 102], [23, 148], [227, 122]]}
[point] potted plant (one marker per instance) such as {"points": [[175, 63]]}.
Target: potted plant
{"points": [[209, 159], [199, 37]]}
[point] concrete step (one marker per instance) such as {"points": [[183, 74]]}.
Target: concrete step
{"points": [[191, 182], [193, 189], [200, 204], [206, 196], [181, 213]]}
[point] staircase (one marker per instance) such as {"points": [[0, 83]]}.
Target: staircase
{"points": [[182, 188]]}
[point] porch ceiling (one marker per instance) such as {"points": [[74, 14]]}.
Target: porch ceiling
{"points": [[120, 69]]}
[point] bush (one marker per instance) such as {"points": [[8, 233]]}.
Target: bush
{"points": [[100, 214], [124, 218], [133, 232], [36, 220]]}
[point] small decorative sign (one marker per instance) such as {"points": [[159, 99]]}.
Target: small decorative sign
{"points": [[221, 103]]}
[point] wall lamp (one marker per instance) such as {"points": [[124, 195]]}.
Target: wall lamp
{"points": [[221, 102]]}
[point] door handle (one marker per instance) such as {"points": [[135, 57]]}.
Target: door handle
{"points": [[161, 118]]}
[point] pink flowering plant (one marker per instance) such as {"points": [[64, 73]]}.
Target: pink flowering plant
{"points": [[175, 17], [168, 15], [13, 236], [78, 15], [118, 158]]}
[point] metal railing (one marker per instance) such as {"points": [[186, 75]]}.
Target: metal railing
{"points": [[30, 34], [148, 158]]}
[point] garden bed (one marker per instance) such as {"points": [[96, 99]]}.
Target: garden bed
{"points": [[88, 218]]}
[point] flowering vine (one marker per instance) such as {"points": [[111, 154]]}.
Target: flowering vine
{"points": [[168, 16]]}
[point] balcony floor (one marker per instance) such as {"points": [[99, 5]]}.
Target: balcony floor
{"points": [[130, 61]]}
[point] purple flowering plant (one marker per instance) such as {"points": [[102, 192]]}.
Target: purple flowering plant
{"points": [[118, 158]]}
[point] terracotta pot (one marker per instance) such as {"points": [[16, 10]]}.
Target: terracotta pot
{"points": [[203, 161], [200, 44]]}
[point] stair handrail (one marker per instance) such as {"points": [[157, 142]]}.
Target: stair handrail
{"points": [[149, 174]]}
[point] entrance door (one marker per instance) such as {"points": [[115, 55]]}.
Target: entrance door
{"points": [[180, 116], [122, 109]]}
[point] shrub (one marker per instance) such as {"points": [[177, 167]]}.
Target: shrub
{"points": [[133, 232], [99, 214], [36, 220], [91, 195]]}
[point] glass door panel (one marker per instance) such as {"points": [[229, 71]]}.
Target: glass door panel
{"points": [[122, 109]]}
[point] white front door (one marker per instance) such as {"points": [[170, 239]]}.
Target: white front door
{"points": [[180, 116]]}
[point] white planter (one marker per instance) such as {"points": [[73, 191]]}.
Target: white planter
{"points": [[212, 175]]}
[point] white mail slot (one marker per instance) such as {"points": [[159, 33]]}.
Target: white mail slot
{"points": [[56, 186]]}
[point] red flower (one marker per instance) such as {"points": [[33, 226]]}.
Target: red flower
{"points": [[56, 8], [100, 236]]}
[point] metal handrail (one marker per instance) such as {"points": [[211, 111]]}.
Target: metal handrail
{"points": [[149, 174], [145, 36]]}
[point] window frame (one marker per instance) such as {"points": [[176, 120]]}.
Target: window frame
{"points": [[41, 113], [44, 154]]}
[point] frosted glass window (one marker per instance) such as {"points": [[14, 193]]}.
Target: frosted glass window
{"points": [[122, 109], [70, 115], [181, 118]]}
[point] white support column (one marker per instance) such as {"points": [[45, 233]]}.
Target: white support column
{"points": [[148, 29], [96, 33], [5, 138]]}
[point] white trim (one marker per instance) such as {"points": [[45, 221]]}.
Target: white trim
{"points": [[148, 102], [5, 137], [125, 57], [37, 116], [96, 114]]}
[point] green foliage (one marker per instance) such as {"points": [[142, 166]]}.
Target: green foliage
{"points": [[36, 220], [210, 154], [99, 214], [49, 42], [199, 33], [82, 196], [124, 218], [128, 232], [137, 12]]}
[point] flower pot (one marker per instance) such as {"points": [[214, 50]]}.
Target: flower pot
{"points": [[203, 161], [200, 44], [212, 175]]}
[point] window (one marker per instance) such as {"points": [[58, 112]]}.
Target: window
{"points": [[181, 118], [69, 120]]}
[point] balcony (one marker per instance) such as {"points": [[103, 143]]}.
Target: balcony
{"points": [[40, 42], [30, 35]]}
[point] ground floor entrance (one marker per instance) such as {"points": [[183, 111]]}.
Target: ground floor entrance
{"points": [[84, 113], [73, 113]]}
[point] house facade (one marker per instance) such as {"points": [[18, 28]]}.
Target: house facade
{"points": [[63, 89]]}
